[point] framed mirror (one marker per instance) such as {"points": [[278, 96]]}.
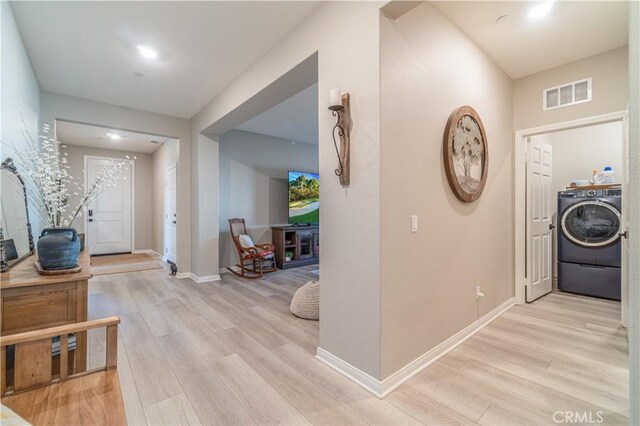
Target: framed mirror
{"points": [[16, 240]]}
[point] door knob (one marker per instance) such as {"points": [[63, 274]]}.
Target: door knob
{"points": [[552, 226], [624, 234]]}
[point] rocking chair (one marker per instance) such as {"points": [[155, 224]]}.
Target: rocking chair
{"points": [[255, 259]]}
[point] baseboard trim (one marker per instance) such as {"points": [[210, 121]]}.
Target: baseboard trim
{"points": [[147, 251], [205, 278], [152, 252], [382, 388], [198, 279], [355, 374], [389, 384]]}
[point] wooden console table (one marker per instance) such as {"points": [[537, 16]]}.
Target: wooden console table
{"points": [[303, 241], [30, 301]]}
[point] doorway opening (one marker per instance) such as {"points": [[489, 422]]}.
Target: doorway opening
{"points": [[570, 213], [126, 222], [269, 177], [269, 187]]}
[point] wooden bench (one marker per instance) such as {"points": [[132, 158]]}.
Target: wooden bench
{"points": [[33, 391]]}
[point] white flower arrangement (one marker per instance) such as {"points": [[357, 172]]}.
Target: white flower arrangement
{"points": [[49, 186]]}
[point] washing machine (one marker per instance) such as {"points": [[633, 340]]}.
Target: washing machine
{"points": [[589, 243]]}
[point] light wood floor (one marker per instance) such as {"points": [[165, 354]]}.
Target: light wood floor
{"points": [[230, 352]]}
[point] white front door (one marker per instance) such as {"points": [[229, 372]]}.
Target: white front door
{"points": [[539, 255], [109, 217], [170, 215]]}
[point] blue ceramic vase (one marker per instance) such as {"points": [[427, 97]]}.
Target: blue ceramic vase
{"points": [[58, 248]]}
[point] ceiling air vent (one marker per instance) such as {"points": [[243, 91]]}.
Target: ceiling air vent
{"points": [[564, 95]]}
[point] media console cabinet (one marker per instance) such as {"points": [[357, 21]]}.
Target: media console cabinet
{"points": [[302, 241]]}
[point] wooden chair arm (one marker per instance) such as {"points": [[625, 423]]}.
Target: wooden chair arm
{"points": [[252, 251], [29, 336], [266, 246], [32, 354]]}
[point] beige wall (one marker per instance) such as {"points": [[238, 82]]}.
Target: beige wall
{"points": [[162, 158], [254, 196], [576, 153], [429, 68], [269, 155], [346, 37], [609, 71], [142, 188]]}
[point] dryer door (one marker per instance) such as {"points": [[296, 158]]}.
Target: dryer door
{"points": [[591, 223]]}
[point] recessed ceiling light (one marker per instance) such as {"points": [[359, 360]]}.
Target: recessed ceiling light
{"points": [[139, 74], [147, 52], [114, 136], [540, 10]]}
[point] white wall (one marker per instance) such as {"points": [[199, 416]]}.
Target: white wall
{"points": [[55, 106], [345, 36], [142, 188], [162, 158], [429, 278], [253, 183], [20, 92], [576, 153]]}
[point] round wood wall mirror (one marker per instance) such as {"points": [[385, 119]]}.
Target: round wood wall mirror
{"points": [[466, 157]]}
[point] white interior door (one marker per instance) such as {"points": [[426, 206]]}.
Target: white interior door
{"points": [[539, 226], [109, 217], [624, 261], [170, 214]]}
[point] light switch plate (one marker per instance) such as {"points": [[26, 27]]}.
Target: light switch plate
{"points": [[414, 223]]}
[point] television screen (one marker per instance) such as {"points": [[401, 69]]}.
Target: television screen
{"points": [[304, 197]]}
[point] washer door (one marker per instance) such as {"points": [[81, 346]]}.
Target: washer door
{"points": [[592, 223]]}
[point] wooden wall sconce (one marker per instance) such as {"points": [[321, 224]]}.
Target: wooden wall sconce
{"points": [[340, 108]]}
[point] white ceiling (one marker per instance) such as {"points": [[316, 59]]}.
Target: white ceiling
{"points": [[96, 137], [295, 119], [521, 46], [88, 49]]}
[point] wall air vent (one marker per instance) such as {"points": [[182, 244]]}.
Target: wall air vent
{"points": [[567, 94]]}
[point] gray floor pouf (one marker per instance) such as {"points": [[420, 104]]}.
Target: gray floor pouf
{"points": [[306, 301]]}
